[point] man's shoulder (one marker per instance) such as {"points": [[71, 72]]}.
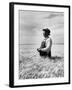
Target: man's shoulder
{"points": [[49, 39]]}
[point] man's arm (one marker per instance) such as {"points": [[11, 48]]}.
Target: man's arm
{"points": [[39, 49], [48, 45]]}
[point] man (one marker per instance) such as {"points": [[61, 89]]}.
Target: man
{"points": [[45, 48]]}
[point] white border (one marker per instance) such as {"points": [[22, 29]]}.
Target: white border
{"points": [[16, 52]]}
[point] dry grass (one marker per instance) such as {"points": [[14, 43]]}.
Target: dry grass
{"points": [[38, 67]]}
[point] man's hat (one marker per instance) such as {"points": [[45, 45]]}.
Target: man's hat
{"points": [[47, 30]]}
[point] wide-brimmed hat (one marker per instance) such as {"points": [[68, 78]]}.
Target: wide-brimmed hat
{"points": [[47, 30]]}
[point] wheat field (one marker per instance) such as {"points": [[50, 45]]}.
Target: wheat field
{"points": [[32, 66]]}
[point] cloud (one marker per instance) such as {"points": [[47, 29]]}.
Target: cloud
{"points": [[53, 15]]}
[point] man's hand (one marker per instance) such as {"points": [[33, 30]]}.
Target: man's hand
{"points": [[38, 49]]}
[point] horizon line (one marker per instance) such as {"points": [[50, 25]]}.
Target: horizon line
{"points": [[37, 44]]}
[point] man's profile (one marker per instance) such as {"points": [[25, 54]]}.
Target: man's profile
{"points": [[45, 48]]}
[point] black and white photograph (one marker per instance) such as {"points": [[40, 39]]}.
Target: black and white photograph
{"points": [[41, 44]]}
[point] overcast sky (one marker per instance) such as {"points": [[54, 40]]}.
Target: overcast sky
{"points": [[31, 24]]}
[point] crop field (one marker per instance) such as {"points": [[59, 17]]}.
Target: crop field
{"points": [[32, 66]]}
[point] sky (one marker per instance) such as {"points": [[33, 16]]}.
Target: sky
{"points": [[31, 24]]}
